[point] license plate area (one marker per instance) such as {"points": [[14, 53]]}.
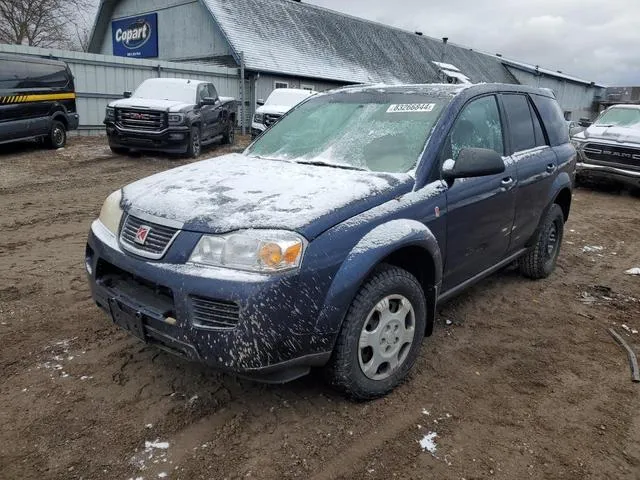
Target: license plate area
{"points": [[128, 318]]}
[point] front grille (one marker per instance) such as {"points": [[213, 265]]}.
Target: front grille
{"points": [[271, 118], [618, 155], [147, 120], [215, 313], [154, 245]]}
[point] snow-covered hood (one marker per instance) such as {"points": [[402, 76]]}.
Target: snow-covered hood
{"points": [[164, 105], [274, 109], [236, 192], [613, 134]]}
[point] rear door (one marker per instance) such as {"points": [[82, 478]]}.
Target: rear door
{"points": [[218, 112], [480, 210], [535, 163]]}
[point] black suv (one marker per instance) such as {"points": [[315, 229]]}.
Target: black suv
{"points": [[37, 100]]}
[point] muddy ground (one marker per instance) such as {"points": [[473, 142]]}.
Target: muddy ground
{"points": [[525, 383]]}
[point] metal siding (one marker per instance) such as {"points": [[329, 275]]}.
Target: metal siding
{"points": [[185, 28], [573, 97], [100, 79]]}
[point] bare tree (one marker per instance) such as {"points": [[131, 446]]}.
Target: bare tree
{"points": [[41, 23]]}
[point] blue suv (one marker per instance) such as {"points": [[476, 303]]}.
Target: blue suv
{"points": [[331, 240]]}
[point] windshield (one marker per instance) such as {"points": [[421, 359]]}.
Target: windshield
{"points": [[287, 98], [159, 90], [369, 131], [623, 117]]}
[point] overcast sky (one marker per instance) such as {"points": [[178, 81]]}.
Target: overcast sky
{"points": [[598, 40]]}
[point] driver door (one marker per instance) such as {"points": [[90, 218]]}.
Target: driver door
{"points": [[480, 210]]}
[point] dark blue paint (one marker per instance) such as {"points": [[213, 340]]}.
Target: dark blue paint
{"points": [[135, 37]]}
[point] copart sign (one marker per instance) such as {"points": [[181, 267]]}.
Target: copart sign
{"points": [[135, 36]]}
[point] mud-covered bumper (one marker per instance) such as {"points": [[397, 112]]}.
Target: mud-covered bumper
{"points": [[170, 140], [610, 173], [267, 334]]}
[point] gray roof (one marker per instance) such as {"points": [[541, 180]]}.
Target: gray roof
{"points": [[285, 36]]}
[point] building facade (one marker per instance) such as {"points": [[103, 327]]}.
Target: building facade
{"points": [[288, 43]]}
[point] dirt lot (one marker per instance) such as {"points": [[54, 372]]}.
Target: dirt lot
{"points": [[526, 382]]}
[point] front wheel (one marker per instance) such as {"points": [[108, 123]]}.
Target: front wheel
{"points": [[57, 137], [540, 261], [193, 150], [229, 137], [381, 335]]}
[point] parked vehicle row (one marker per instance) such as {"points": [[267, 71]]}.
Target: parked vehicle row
{"points": [[331, 240]]}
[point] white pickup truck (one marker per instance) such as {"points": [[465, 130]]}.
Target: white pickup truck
{"points": [[279, 102]]}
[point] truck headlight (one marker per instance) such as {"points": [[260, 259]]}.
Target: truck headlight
{"points": [[258, 118], [111, 213], [176, 118], [110, 113], [253, 250]]}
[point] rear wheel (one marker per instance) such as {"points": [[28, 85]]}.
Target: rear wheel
{"points": [[229, 137], [57, 137], [540, 261], [195, 145], [381, 335]]}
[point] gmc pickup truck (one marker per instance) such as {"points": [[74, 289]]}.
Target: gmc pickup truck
{"points": [[609, 150], [330, 241], [171, 115]]}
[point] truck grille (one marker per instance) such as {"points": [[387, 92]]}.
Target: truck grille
{"points": [[147, 120], [215, 313], [153, 244], [624, 156], [271, 118]]}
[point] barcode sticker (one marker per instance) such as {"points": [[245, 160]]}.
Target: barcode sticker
{"points": [[411, 107]]}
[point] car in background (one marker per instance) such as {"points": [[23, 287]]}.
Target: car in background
{"points": [[37, 100], [609, 150], [171, 115], [279, 102], [331, 240]]}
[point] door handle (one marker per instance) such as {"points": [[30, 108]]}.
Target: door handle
{"points": [[507, 182], [551, 168]]}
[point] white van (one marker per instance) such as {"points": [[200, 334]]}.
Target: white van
{"points": [[279, 102]]}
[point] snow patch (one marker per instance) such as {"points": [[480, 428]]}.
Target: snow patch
{"points": [[428, 443], [592, 249], [633, 271]]}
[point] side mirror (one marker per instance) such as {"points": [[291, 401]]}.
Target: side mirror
{"points": [[585, 123], [127, 94], [209, 101], [260, 102], [473, 162], [575, 130]]}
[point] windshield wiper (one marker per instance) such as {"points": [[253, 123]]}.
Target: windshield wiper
{"points": [[320, 163]]}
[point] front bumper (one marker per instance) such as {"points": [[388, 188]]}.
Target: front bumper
{"points": [[170, 140], [272, 341], [257, 129], [606, 172]]}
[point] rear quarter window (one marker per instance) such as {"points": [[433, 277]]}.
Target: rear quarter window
{"points": [[553, 119]]}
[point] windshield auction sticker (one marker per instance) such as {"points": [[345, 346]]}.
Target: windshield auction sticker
{"points": [[411, 107]]}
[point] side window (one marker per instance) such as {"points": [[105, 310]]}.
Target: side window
{"points": [[520, 123], [553, 119], [541, 141], [478, 126], [212, 91], [202, 92]]}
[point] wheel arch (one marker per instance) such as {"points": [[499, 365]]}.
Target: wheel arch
{"points": [[407, 244]]}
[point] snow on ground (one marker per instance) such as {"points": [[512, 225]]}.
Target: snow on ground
{"points": [[428, 443], [633, 271], [592, 249]]}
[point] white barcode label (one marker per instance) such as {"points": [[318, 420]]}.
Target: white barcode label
{"points": [[411, 107]]}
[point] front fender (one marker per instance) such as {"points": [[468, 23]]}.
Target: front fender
{"points": [[369, 252]]}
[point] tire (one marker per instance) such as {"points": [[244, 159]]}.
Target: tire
{"points": [[540, 261], [195, 143], [119, 150], [57, 136], [355, 367], [229, 137]]}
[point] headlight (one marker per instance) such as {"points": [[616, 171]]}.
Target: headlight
{"points": [[253, 250], [258, 118], [111, 213], [577, 143], [176, 118], [111, 113]]}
